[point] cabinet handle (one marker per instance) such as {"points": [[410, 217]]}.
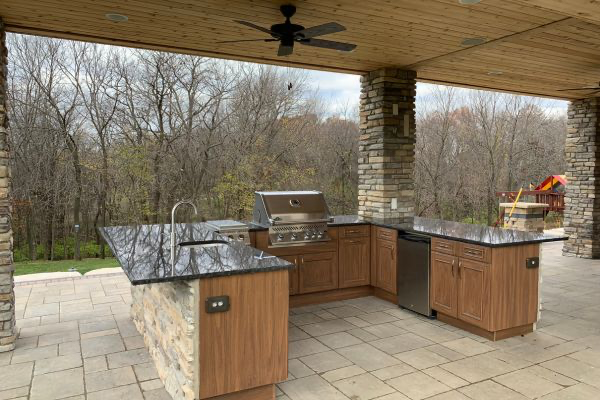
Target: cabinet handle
{"points": [[302, 260], [354, 241], [459, 267], [453, 261], [352, 231]]}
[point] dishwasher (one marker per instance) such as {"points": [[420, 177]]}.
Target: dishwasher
{"points": [[413, 269]]}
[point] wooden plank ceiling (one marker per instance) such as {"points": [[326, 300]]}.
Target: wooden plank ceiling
{"points": [[534, 47]]}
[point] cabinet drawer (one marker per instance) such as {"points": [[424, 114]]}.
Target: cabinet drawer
{"points": [[443, 246], [474, 252], [354, 231], [387, 234]]}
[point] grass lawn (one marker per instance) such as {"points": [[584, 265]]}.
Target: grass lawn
{"points": [[83, 266]]}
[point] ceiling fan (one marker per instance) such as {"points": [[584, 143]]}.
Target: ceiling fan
{"points": [[595, 89], [288, 33]]}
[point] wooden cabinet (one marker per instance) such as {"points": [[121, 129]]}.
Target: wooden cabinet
{"points": [[293, 273], [354, 262], [474, 284], [385, 275], [317, 272], [313, 272], [245, 347], [383, 259], [316, 264], [461, 287], [443, 287], [487, 291]]}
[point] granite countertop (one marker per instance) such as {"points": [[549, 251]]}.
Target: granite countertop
{"points": [[144, 253], [469, 233]]}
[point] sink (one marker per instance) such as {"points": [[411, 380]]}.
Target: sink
{"points": [[202, 244]]}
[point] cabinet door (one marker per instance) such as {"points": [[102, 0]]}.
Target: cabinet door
{"points": [[354, 263], [385, 269], [293, 273], [474, 287], [318, 272], [444, 282]]}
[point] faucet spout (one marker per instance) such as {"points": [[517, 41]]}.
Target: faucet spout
{"points": [[173, 211]]}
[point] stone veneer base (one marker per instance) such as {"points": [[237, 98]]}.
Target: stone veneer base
{"points": [[166, 315]]}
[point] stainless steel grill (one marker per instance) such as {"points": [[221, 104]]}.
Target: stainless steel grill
{"points": [[293, 218]]}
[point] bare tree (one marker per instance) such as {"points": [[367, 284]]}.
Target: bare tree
{"points": [[98, 85]]}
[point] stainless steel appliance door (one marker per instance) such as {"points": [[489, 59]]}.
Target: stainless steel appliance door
{"points": [[413, 272]]}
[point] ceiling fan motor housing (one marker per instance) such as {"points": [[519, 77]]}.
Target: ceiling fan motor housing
{"points": [[287, 33]]}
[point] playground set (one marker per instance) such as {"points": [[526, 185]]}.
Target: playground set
{"points": [[549, 195]]}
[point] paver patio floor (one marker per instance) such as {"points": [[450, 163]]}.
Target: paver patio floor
{"points": [[77, 341]]}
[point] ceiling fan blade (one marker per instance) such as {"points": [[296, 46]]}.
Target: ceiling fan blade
{"points": [[260, 28], [248, 40], [328, 44], [581, 88], [319, 30], [285, 50]]}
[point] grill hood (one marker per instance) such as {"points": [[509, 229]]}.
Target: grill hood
{"points": [[277, 208]]}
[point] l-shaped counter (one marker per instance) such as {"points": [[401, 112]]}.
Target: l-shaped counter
{"points": [[218, 327]]}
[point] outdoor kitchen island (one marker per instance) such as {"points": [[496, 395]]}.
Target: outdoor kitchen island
{"points": [[218, 326]]}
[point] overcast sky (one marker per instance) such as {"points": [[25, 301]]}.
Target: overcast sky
{"points": [[344, 89]]}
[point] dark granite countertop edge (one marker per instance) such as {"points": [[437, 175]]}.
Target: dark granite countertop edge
{"points": [[477, 242], [256, 228]]}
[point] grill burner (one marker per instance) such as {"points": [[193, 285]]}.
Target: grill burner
{"points": [[231, 230], [293, 218]]}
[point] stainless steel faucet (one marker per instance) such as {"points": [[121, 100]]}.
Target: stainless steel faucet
{"points": [[173, 230]]}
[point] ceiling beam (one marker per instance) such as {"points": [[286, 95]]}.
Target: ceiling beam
{"points": [[493, 43], [588, 10]]}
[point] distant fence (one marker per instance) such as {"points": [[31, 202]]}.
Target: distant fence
{"points": [[555, 200]]}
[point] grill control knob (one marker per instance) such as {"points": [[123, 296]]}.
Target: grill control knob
{"points": [[294, 236], [280, 237], [320, 235], [306, 236]]}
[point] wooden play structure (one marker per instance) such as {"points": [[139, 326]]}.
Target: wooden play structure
{"points": [[551, 191]]}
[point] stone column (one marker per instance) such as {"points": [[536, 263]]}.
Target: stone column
{"points": [[387, 144], [7, 294], [582, 197]]}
